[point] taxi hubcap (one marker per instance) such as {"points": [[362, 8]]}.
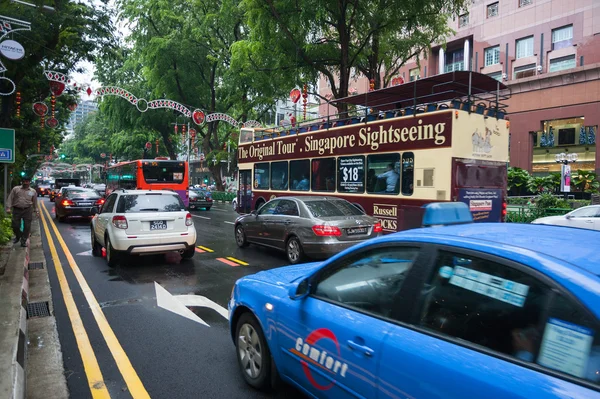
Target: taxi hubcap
{"points": [[249, 351]]}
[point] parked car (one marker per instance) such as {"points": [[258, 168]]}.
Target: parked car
{"points": [[485, 310], [76, 201], [587, 217], [142, 222], [311, 226], [43, 189], [200, 199]]}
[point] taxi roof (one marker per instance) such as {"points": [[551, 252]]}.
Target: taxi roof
{"points": [[573, 246]]}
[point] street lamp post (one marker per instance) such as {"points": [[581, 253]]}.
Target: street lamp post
{"points": [[565, 171]]}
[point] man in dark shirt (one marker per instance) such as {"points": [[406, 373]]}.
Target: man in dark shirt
{"points": [[21, 202]]}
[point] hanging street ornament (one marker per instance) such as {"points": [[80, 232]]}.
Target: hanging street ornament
{"points": [[193, 136], [183, 133], [156, 146], [176, 129], [72, 107], [40, 109], [304, 99], [53, 105], [89, 91], [18, 102], [57, 88], [52, 123], [295, 95], [42, 121], [198, 117]]}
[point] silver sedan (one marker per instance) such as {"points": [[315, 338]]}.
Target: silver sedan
{"points": [[316, 227]]}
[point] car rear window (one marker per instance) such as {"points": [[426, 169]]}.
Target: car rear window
{"points": [[82, 194], [332, 208], [150, 203]]}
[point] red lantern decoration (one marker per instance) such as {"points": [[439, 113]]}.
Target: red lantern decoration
{"points": [[304, 99], [57, 88], [72, 107], [372, 85], [18, 102], [40, 109], [53, 104], [156, 146], [176, 128], [39, 146], [295, 95]]}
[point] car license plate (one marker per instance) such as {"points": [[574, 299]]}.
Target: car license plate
{"points": [[84, 203], [158, 225], [356, 230]]}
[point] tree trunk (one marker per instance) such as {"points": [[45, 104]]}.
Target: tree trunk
{"points": [[215, 170]]}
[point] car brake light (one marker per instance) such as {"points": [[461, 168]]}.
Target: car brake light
{"points": [[120, 222], [100, 201], [67, 202], [188, 219], [377, 228], [326, 230]]}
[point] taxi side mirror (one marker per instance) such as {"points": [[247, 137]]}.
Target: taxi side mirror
{"points": [[299, 289]]}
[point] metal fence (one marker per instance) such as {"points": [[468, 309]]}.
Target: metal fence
{"points": [[529, 214]]}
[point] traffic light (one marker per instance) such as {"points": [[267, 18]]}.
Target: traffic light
{"points": [[62, 156], [205, 180], [22, 173]]}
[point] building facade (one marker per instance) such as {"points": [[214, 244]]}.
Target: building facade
{"points": [[548, 53], [81, 112]]}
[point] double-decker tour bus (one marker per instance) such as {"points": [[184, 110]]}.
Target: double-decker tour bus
{"points": [[442, 138], [149, 174]]}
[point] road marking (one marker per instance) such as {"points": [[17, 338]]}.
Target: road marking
{"points": [[166, 301], [228, 222], [241, 262], [88, 357], [199, 250], [205, 249], [202, 217], [202, 301], [228, 262], [134, 384]]}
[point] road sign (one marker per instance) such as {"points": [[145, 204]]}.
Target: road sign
{"points": [[7, 146]]}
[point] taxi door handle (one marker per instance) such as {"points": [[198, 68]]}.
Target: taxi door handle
{"points": [[361, 348]]}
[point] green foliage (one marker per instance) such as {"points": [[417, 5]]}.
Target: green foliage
{"points": [[542, 184], [586, 181], [6, 232], [222, 196], [517, 178]]}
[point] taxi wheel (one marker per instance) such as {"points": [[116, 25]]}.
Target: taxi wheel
{"points": [[112, 256], [96, 248], [294, 250], [240, 236], [253, 354]]}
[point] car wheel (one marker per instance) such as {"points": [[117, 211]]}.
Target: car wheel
{"points": [[294, 250], [189, 253], [61, 219], [96, 248], [240, 236], [253, 354], [113, 257]]}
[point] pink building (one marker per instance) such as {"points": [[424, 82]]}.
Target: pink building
{"points": [[548, 53]]}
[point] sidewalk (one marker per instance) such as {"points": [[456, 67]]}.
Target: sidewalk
{"points": [[31, 364]]}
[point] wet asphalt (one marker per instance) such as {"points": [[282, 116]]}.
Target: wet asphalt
{"points": [[174, 357]]}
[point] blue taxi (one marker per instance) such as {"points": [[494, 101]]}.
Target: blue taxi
{"points": [[463, 310]]}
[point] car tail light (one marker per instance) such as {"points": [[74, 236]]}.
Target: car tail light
{"points": [[209, 199], [67, 203], [188, 219], [326, 230], [377, 228], [504, 210], [120, 222], [100, 201]]}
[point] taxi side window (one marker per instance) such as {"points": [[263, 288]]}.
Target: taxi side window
{"points": [[371, 281], [110, 202], [486, 303]]}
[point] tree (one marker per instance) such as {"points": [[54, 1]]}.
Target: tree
{"points": [[332, 38], [517, 180], [586, 181]]}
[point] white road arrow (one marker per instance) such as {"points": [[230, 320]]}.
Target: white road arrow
{"points": [[178, 304]]}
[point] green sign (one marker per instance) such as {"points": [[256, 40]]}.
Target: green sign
{"points": [[7, 146]]}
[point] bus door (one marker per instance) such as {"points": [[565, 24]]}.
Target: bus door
{"points": [[245, 191]]}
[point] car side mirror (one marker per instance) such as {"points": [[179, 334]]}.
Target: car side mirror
{"points": [[299, 289], [254, 213], [569, 217], [94, 211]]}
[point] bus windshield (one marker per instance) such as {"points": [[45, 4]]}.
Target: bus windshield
{"points": [[163, 172]]}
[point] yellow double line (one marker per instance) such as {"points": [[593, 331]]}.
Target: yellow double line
{"points": [[90, 363]]}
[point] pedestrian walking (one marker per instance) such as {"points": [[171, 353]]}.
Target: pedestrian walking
{"points": [[22, 202]]}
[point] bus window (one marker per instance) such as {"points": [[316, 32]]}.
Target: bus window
{"points": [[279, 175], [163, 172], [128, 179], [300, 175], [261, 175], [351, 174], [323, 175], [408, 173], [383, 174]]}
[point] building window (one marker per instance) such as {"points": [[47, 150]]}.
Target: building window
{"points": [[463, 20], [525, 71], [492, 10], [562, 63], [525, 47], [455, 61], [496, 75], [562, 37], [523, 3], [492, 55], [413, 74], [566, 136]]}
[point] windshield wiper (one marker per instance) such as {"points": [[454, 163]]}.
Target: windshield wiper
{"points": [[149, 209]]}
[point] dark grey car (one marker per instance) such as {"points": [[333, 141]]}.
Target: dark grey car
{"points": [[317, 227]]}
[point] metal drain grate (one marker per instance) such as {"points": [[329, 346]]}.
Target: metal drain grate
{"points": [[36, 265], [38, 309]]}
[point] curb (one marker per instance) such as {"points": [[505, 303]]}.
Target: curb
{"points": [[14, 296]]}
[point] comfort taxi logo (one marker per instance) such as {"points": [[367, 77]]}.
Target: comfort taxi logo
{"points": [[306, 350]]}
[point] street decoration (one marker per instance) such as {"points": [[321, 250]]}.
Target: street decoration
{"points": [[295, 95], [52, 123], [40, 109], [398, 80], [18, 104], [156, 146], [56, 88], [304, 100], [218, 116], [582, 136], [198, 117], [251, 123], [591, 136], [11, 49]]}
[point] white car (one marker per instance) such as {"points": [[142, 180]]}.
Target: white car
{"points": [[142, 222], [587, 217]]}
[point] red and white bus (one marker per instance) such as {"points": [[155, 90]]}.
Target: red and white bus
{"points": [[443, 138], [149, 174]]}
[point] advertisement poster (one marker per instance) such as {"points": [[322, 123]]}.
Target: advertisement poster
{"points": [[565, 182], [485, 204], [351, 174]]}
